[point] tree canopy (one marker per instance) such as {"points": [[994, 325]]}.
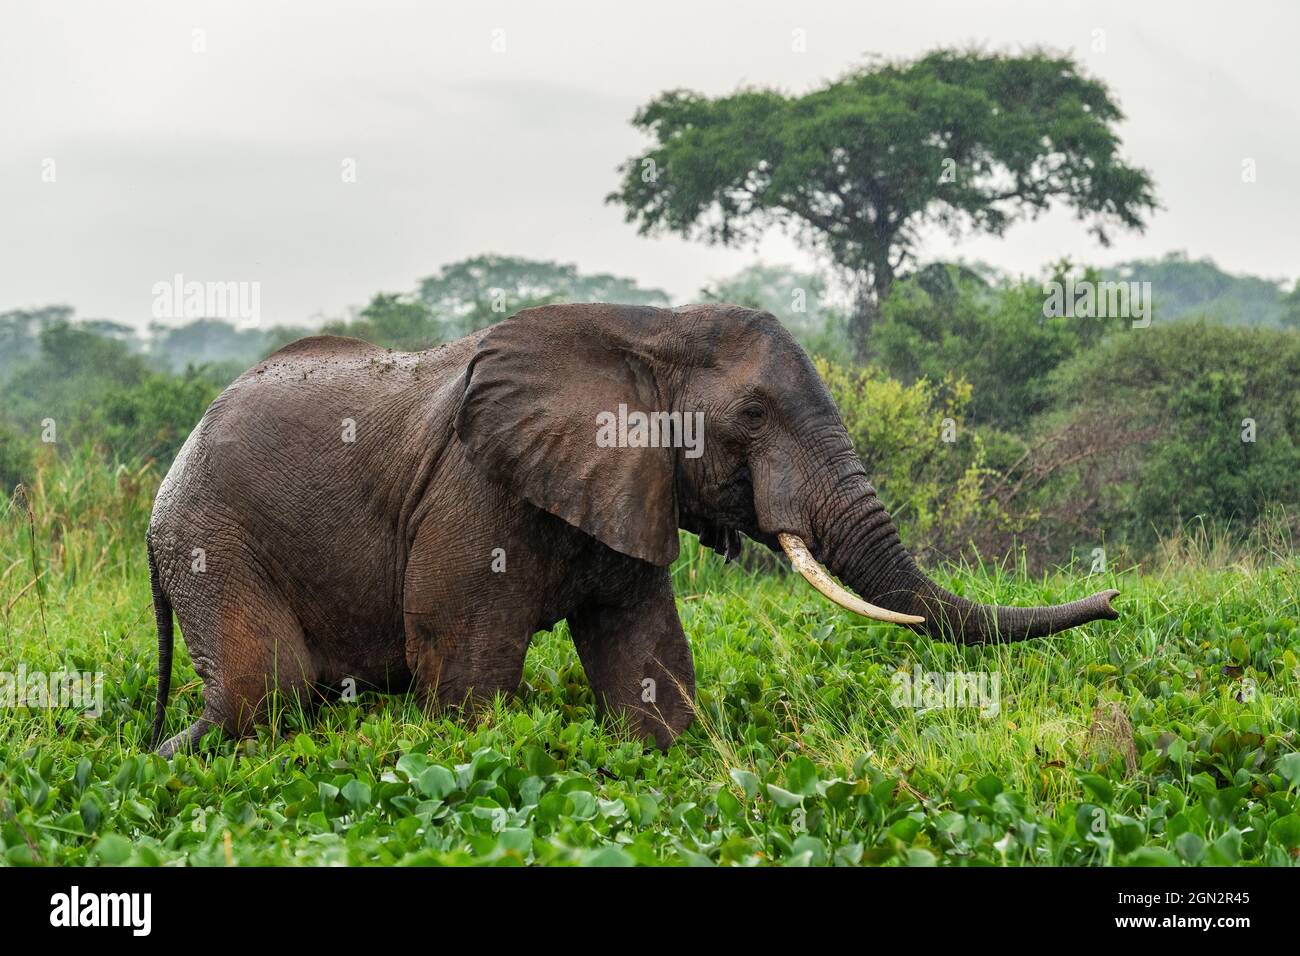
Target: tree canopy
{"points": [[1197, 288], [963, 139], [475, 292]]}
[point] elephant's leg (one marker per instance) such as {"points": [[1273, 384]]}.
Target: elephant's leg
{"points": [[187, 740], [638, 661], [248, 647], [467, 628], [465, 665]]}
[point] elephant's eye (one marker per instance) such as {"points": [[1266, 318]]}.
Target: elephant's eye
{"points": [[753, 413]]}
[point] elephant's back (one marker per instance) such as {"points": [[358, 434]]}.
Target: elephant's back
{"points": [[346, 362], [304, 465]]}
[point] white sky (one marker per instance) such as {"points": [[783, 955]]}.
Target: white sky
{"points": [[225, 165]]}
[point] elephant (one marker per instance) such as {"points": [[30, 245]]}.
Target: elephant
{"points": [[409, 520]]}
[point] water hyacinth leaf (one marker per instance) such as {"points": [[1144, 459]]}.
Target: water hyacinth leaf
{"points": [[539, 762], [487, 763], [1226, 850], [951, 824], [746, 781], [783, 798], [516, 840], [1289, 768], [1286, 831], [608, 856], [409, 765], [1190, 847], [112, 849], [1099, 787], [552, 807], [988, 787], [436, 782], [1126, 832], [648, 808], [1152, 856], [582, 805], [728, 806], [906, 829], [814, 847], [82, 776], [91, 813], [801, 776]]}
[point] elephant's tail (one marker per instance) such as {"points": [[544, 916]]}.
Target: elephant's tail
{"points": [[162, 612]]}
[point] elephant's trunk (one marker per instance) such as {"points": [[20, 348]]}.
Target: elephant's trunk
{"points": [[860, 544]]}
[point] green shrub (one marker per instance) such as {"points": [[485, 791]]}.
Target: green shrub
{"points": [[995, 338], [153, 419], [933, 486], [1189, 422], [67, 384], [16, 460]]}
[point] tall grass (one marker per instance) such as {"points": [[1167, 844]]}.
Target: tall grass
{"points": [[1219, 546], [76, 530]]}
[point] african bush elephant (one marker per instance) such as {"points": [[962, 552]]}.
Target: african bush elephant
{"points": [[343, 512]]}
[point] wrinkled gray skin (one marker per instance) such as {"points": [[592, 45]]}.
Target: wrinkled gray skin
{"points": [[299, 560]]}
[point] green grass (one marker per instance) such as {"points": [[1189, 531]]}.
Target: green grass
{"points": [[1167, 737]]}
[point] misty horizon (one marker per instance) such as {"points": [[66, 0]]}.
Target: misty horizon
{"points": [[223, 154]]}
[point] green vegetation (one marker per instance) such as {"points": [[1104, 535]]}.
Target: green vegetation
{"points": [[1166, 738], [1200, 289], [932, 486], [75, 387], [1169, 737], [1215, 423], [476, 292], [1090, 432], [996, 336]]}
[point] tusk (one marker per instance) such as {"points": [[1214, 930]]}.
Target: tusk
{"points": [[819, 578]]}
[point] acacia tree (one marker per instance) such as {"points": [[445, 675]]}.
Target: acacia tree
{"points": [[966, 140]]}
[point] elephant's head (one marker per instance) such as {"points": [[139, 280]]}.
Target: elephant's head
{"points": [[552, 409]]}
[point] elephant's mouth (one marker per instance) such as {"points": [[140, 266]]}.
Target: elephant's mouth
{"points": [[733, 516], [723, 539]]}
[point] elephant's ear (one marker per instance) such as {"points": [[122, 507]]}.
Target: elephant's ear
{"points": [[536, 393]]}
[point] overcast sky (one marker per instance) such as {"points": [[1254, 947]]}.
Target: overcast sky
{"points": [[225, 164]]}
